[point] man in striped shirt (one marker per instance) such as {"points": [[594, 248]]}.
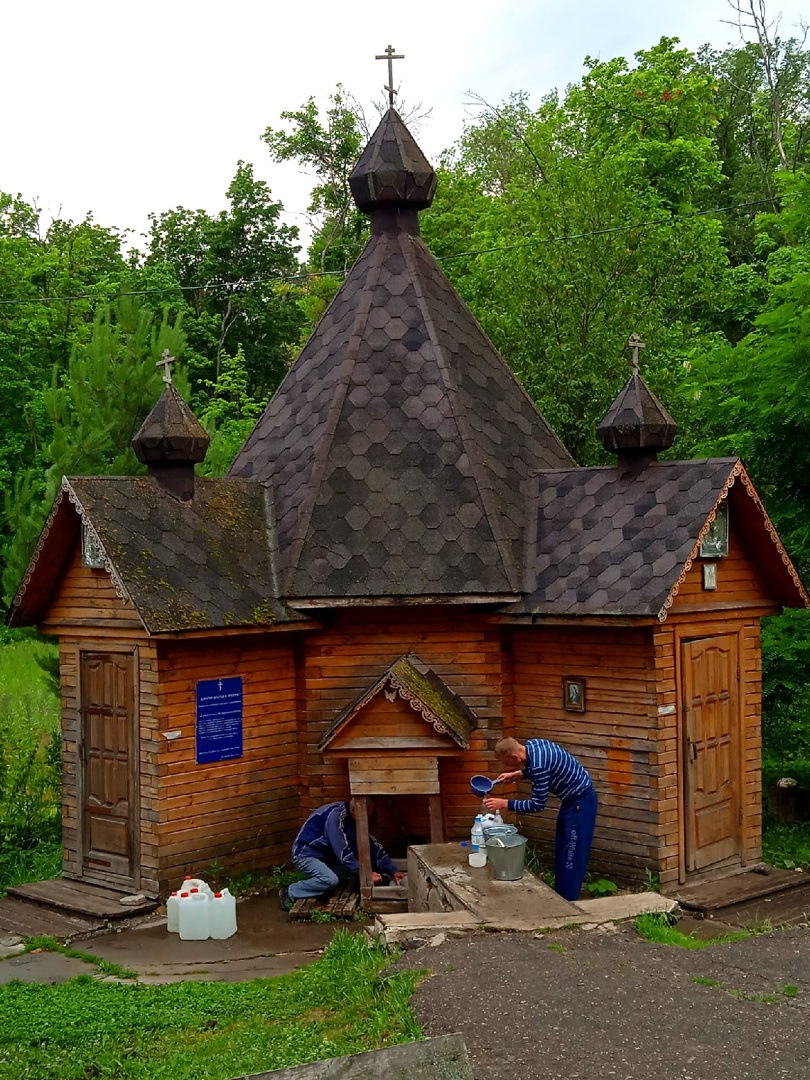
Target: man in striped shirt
{"points": [[552, 769]]}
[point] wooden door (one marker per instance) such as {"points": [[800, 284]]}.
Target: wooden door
{"points": [[710, 676], [109, 774]]}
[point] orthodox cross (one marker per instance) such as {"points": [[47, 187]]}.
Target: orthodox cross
{"points": [[390, 56], [635, 343], [166, 362]]}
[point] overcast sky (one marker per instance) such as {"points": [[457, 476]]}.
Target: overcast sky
{"points": [[122, 109]]}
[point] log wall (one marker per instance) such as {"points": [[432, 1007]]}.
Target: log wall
{"points": [[615, 738], [87, 614], [244, 811], [341, 662]]}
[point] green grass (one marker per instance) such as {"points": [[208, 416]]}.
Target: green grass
{"points": [[344, 1003], [30, 767], [660, 929], [786, 844], [105, 967]]}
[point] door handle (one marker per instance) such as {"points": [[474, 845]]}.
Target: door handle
{"points": [[692, 751]]}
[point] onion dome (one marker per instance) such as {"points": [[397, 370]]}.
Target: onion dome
{"points": [[392, 172], [171, 433], [170, 441], [636, 426]]}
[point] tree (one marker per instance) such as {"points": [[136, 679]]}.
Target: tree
{"points": [[231, 280], [330, 148], [38, 329], [583, 219], [93, 409]]}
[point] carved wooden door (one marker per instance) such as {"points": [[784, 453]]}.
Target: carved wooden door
{"points": [[109, 760], [711, 749]]}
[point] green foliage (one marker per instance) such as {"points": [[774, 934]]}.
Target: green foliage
{"points": [[786, 844], [247, 249], [625, 147], [329, 147], [601, 887], [343, 1003], [230, 414], [661, 929], [94, 408], [30, 766]]}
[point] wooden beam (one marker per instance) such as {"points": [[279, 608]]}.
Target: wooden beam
{"points": [[363, 847], [436, 819]]}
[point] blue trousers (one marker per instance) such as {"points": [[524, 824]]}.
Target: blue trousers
{"points": [[320, 878], [572, 849]]}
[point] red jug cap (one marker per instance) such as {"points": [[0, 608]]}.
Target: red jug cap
{"points": [[217, 894], [195, 890], [184, 894]]}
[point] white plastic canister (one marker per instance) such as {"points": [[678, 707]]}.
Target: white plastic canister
{"points": [[172, 913], [222, 912], [196, 883], [193, 916]]}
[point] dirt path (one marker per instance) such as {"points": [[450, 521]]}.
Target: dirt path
{"points": [[584, 1005]]}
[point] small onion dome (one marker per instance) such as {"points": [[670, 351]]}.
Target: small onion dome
{"points": [[392, 171], [171, 433], [636, 425]]}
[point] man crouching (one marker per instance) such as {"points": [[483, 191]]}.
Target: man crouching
{"points": [[326, 850]]}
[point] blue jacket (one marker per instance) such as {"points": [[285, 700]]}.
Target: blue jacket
{"points": [[330, 834]]}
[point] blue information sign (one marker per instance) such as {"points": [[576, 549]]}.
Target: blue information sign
{"points": [[219, 719]]}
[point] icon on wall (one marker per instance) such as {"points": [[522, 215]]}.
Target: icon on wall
{"points": [[574, 693]]}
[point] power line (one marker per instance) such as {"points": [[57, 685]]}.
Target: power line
{"points": [[307, 275]]}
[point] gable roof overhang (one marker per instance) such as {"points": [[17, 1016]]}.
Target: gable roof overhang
{"points": [[191, 565], [613, 544], [427, 694], [59, 534]]}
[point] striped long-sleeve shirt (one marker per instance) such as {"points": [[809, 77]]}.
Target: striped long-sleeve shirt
{"points": [[550, 769]]}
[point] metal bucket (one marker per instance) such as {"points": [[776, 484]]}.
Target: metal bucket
{"points": [[499, 830], [507, 856]]}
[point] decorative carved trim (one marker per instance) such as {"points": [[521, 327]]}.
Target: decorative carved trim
{"points": [[32, 562], [419, 706], [783, 555], [737, 471], [120, 588], [687, 566]]}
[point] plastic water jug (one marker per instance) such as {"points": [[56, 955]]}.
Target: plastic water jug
{"points": [[222, 914], [172, 913], [195, 883], [192, 913]]}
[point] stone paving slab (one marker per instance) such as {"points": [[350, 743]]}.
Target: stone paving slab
{"points": [[266, 944], [43, 967]]}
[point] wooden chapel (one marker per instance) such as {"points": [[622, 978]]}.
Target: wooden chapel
{"points": [[403, 565]]}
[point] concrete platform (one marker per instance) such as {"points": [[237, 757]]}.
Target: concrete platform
{"points": [[447, 895]]}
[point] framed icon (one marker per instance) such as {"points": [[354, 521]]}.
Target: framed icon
{"points": [[574, 693]]}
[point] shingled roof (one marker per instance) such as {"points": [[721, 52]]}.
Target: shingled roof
{"points": [[189, 565], [428, 694], [399, 446], [608, 542]]}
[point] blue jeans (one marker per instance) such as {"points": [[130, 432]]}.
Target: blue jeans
{"points": [[572, 849], [320, 878]]}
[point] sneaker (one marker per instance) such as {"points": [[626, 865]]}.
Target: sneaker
{"points": [[285, 899]]}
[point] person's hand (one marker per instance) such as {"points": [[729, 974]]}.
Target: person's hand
{"points": [[507, 777], [398, 876], [376, 878], [496, 804]]}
